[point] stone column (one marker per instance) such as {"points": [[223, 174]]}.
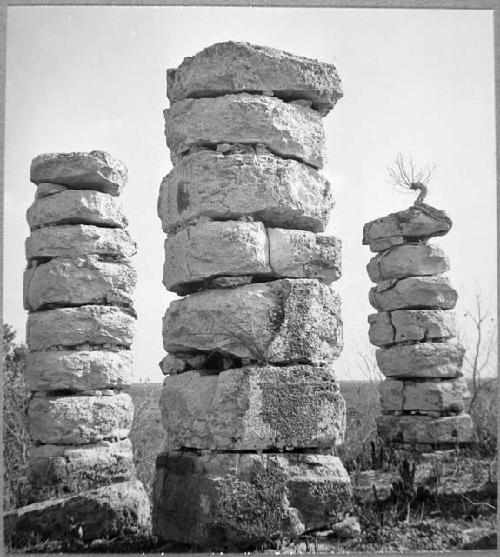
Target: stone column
{"points": [[250, 403], [423, 397], [78, 289]]}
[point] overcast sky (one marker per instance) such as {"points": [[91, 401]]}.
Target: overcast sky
{"points": [[420, 81]]}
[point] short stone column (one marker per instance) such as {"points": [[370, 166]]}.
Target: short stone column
{"points": [[423, 397], [78, 289], [250, 403]]}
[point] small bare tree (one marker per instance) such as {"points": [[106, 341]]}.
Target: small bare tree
{"points": [[479, 337], [406, 174]]}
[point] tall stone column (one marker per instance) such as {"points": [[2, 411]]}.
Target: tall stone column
{"points": [[78, 289], [423, 396], [250, 403]]}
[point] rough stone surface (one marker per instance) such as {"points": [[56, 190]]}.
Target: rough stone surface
{"points": [[105, 512], [288, 321], [279, 192], [236, 248], [80, 325], [389, 327], [287, 130], [253, 408], [76, 207], [46, 188], [79, 281], [423, 429], [79, 240], [407, 260], [423, 359], [72, 420], [301, 254], [234, 67], [81, 370], [419, 222], [215, 248], [96, 170], [234, 500], [442, 396], [57, 470], [413, 293]]}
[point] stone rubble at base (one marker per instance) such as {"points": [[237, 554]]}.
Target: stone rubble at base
{"points": [[424, 396], [250, 403], [78, 289]]}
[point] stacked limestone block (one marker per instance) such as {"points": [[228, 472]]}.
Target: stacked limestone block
{"points": [[423, 397], [250, 403], [78, 289]]}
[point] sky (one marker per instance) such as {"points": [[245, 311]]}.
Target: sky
{"points": [[416, 81]]}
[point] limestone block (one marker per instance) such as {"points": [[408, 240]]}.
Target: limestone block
{"points": [[235, 248], [71, 469], [238, 500], [253, 408], [407, 260], [95, 325], [215, 248], [44, 189], [287, 321], [279, 192], [96, 170], [424, 429], [413, 293], [234, 67], [419, 222], [79, 281], [442, 396], [76, 207], [287, 130], [72, 420], [79, 370], [389, 327], [79, 240], [301, 254], [120, 509], [423, 359]]}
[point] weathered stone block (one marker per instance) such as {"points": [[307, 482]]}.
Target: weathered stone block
{"points": [[419, 222], [234, 67], [79, 240], [279, 192], [389, 327], [215, 248], [58, 470], [44, 189], [287, 130], [441, 396], [422, 359], [95, 325], [413, 293], [297, 253], [79, 281], [119, 509], [58, 370], [235, 248], [76, 207], [96, 170], [73, 420], [287, 321], [407, 260], [253, 408], [448, 430], [235, 500]]}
